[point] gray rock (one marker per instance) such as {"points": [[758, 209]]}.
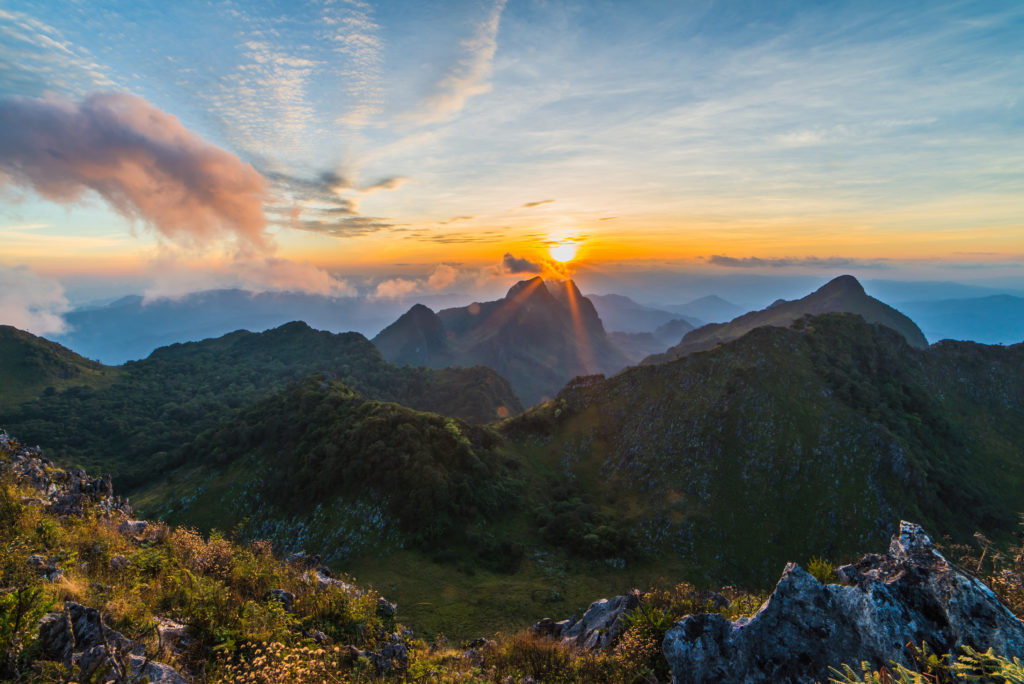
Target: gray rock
{"points": [[385, 608], [286, 598], [909, 595], [119, 562], [77, 637], [601, 625]]}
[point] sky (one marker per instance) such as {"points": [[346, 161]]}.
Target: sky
{"points": [[392, 148]]}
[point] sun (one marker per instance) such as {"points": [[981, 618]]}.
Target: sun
{"points": [[564, 252]]}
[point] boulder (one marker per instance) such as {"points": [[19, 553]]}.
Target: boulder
{"points": [[909, 595], [599, 627]]}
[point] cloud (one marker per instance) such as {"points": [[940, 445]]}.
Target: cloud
{"points": [[346, 227], [530, 205], [443, 276], [395, 288], [455, 219], [786, 262], [513, 264], [139, 159], [470, 76], [31, 302], [175, 277], [392, 183]]}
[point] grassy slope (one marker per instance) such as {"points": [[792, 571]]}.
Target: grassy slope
{"points": [[29, 365]]}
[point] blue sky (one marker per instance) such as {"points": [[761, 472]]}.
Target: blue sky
{"points": [[878, 135]]}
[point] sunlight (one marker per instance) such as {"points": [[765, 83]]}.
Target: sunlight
{"points": [[564, 252]]}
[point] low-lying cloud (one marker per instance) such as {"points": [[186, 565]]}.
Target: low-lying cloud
{"points": [[142, 161], [30, 302], [513, 264], [443, 276], [175, 278]]}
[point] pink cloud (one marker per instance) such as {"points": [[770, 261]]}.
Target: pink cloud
{"points": [[141, 160]]}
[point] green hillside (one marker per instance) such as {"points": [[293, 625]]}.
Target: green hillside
{"points": [[720, 467], [135, 425], [30, 365]]}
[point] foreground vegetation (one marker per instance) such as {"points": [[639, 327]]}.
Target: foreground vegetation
{"points": [[247, 615]]}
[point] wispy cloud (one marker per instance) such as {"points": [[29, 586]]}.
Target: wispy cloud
{"points": [[36, 57], [392, 183], [470, 76], [790, 262], [531, 205]]}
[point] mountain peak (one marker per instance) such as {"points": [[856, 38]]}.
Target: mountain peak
{"points": [[844, 284], [530, 286]]}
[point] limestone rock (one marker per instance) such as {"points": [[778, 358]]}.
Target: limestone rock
{"points": [[599, 627], [77, 637], [909, 595]]}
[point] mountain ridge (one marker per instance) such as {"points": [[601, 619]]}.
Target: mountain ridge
{"points": [[843, 294]]}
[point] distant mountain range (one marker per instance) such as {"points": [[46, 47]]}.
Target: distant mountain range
{"points": [[996, 319], [622, 314], [840, 295], [709, 309], [539, 336], [131, 327]]}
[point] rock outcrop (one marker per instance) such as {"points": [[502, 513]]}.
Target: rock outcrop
{"points": [[78, 637], [67, 492], [599, 627], [909, 595]]}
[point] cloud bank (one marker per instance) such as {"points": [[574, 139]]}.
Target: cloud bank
{"points": [[141, 160], [31, 302]]}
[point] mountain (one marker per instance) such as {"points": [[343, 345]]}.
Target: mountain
{"points": [[622, 314], [135, 425], [538, 336], [996, 319], [30, 365], [132, 327], [669, 333], [828, 430], [638, 346], [711, 308], [784, 443], [840, 295]]}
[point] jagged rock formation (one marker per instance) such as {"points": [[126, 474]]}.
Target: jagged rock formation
{"points": [[78, 637], [539, 336], [840, 295], [909, 595], [67, 492], [599, 627]]}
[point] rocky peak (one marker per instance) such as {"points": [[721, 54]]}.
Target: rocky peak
{"points": [[843, 285], [532, 287]]}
